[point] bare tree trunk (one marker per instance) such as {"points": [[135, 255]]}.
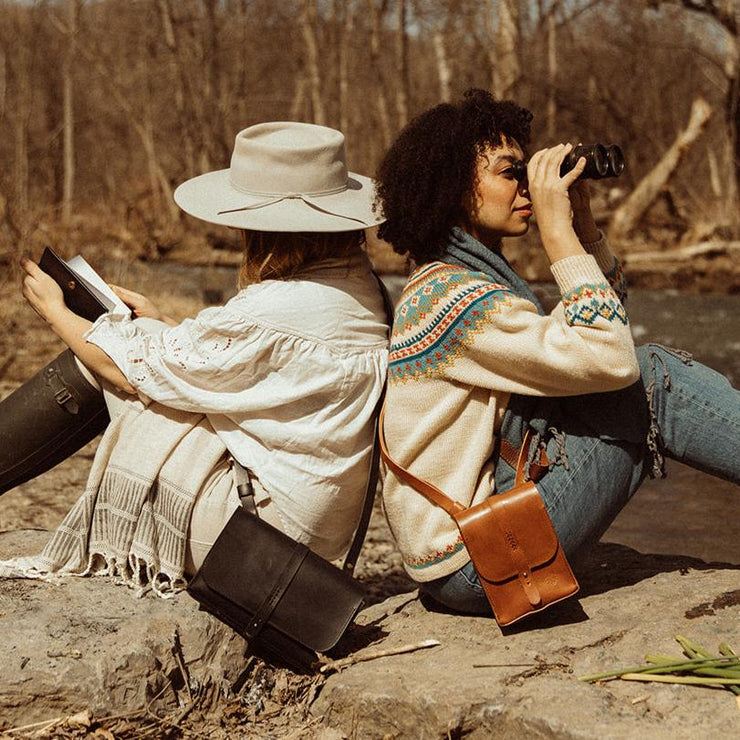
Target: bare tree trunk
{"points": [[212, 120], [382, 100], [714, 174], [21, 161], [308, 25], [552, 73], [73, 10], [347, 30], [3, 82], [402, 62], [732, 108], [22, 114], [629, 213], [299, 99], [241, 66], [177, 74], [444, 72], [505, 62]]}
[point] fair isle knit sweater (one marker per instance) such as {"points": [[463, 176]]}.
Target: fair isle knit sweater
{"points": [[461, 345]]}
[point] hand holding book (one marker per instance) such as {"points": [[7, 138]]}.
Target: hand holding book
{"points": [[85, 292], [69, 303]]}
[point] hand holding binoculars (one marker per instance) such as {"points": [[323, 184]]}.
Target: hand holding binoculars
{"points": [[602, 160]]}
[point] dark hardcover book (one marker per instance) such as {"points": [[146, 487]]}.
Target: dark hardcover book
{"points": [[81, 297]]}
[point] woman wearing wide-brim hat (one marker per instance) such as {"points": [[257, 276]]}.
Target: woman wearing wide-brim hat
{"points": [[282, 379]]}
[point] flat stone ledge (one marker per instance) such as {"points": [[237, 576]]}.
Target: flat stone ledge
{"points": [[630, 605], [89, 644]]}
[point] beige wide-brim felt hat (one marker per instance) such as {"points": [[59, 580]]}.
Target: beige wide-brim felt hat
{"points": [[284, 176]]}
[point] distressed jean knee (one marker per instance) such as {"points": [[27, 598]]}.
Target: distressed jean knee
{"points": [[655, 361]]}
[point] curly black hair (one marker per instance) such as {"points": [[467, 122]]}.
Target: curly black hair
{"points": [[428, 174]]}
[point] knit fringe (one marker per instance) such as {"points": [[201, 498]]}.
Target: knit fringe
{"points": [[132, 520]]}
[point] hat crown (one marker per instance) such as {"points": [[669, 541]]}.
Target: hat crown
{"points": [[287, 157], [284, 176]]}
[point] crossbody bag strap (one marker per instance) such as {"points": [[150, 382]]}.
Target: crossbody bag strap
{"points": [[434, 494], [350, 561]]}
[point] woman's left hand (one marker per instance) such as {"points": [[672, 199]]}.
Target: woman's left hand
{"points": [[138, 303], [41, 291], [583, 220]]}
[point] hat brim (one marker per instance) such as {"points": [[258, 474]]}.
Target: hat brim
{"points": [[211, 197]]}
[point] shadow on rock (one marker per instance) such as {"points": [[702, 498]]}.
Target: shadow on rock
{"points": [[610, 566], [566, 612], [380, 586]]}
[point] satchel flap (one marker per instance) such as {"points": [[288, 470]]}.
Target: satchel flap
{"points": [[506, 527], [319, 603]]}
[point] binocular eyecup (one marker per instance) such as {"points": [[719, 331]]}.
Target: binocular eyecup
{"points": [[602, 160]]}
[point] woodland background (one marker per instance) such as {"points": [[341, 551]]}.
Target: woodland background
{"points": [[107, 105]]}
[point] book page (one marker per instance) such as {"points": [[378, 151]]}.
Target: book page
{"points": [[82, 267]]}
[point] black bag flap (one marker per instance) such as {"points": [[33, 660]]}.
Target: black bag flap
{"points": [[317, 606]]}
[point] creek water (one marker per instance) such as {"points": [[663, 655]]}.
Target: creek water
{"points": [[706, 325], [689, 513]]}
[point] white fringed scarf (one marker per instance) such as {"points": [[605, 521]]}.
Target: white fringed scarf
{"points": [[132, 520]]}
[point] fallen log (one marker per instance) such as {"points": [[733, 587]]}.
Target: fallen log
{"points": [[703, 249], [627, 216]]}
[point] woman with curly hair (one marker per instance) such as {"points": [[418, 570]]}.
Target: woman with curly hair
{"points": [[476, 362]]}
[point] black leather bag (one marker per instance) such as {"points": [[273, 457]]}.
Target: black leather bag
{"points": [[288, 602]]}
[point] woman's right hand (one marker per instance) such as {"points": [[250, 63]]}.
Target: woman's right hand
{"points": [[552, 206], [138, 303]]}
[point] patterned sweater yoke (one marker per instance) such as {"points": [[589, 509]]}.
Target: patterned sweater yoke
{"points": [[441, 308]]}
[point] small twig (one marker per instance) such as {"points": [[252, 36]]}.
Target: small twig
{"points": [[48, 723], [336, 665], [180, 658], [504, 665], [183, 713], [45, 723]]}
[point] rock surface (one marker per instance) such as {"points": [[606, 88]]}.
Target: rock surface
{"points": [[87, 643], [480, 683]]}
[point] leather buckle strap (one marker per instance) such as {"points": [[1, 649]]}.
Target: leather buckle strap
{"points": [[263, 614], [510, 454], [62, 393], [244, 487]]}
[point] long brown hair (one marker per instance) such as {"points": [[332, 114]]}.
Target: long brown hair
{"points": [[273, 255]]}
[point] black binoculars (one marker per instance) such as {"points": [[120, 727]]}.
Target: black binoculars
{"points": [[602, 160]]}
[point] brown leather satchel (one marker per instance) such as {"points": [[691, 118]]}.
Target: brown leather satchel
{"points": [[509, 538]]}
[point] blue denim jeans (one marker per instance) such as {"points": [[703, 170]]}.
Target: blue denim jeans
{"points": [[679, 408]]}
